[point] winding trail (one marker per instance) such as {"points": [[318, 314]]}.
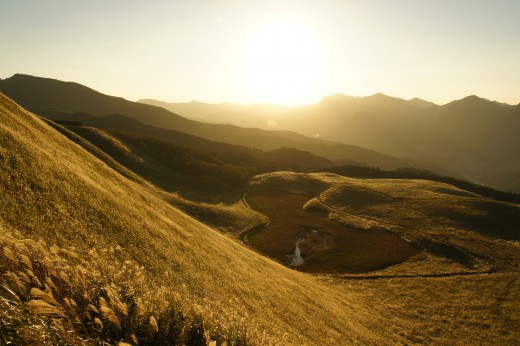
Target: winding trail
{"points": [[406, 206], [414, 276], [255, 229]]}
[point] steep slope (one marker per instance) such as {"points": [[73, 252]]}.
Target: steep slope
{"points": [[54, 190], [44, 95], [208, 201]]}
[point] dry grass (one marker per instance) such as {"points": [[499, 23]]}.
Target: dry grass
{"points": [[435, 216], [57, 194], [53, 190], [460, 310], [231, 217], [52, 295]]}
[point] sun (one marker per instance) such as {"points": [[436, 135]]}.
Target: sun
{"points": [[284, 63]]}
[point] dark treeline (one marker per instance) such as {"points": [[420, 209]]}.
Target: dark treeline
{"points": [[188, 161], [412, 173], [236, 169]]}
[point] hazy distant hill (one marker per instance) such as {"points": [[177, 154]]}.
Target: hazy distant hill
{"points": [[257, 115], [193, 110], [42, 95], [473, 137]]}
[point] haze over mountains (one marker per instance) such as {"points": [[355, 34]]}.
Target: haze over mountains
{"points": [[474, 138], [55, 98]]}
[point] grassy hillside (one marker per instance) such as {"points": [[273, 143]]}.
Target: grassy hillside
{"points": [[89, 253], [192, 173], [353, 171], [54, 191]]}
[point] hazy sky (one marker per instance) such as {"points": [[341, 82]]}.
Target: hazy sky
{"points": [[268, 51]]}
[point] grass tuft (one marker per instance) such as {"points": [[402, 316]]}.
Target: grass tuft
{"points": [[108, 299]]}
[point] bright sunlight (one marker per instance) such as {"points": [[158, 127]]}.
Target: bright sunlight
{"points": [[284, 63]]}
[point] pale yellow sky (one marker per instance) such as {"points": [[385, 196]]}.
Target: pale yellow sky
{"points": [[292, 52]]}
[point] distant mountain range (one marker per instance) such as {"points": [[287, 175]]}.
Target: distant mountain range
{"points": [[225, 113], [74, 102], [474, 137]]}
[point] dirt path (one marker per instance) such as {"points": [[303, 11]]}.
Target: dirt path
{"points": [[427, 235]]}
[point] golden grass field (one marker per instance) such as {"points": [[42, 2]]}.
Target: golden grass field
{"points": [[91, 253]]}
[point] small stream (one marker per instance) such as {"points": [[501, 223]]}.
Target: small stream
{"points": [[297, 258]]}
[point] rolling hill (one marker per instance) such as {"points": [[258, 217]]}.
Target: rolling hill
{"points": [[212, 166], [92, 251]]}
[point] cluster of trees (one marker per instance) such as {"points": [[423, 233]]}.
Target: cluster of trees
{"points": [[188, 161], [236, 168]]}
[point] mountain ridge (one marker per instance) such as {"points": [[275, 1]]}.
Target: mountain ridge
{"points": [[56, 96], [472, 138]]}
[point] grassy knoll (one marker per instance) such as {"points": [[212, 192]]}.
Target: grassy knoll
{"points": [[447, 222]]}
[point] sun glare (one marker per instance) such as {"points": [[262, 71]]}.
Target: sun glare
{"points": [[283, 64]]}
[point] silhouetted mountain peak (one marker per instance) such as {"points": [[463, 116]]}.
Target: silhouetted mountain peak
{"points": [[474, 102], [337, 98], [382, 98], [420, 103], [474, 98], [26, 77]]}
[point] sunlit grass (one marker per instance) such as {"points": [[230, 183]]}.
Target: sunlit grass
{"points": [[72, 224], [51, 295]]}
